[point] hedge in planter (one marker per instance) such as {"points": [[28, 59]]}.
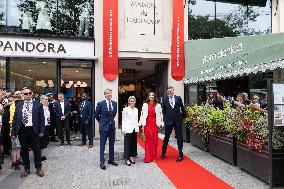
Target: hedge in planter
{"points": [[222, 143], [197, 119], [252, 151]]}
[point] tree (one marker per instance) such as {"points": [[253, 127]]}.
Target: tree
{"points": [[234, 24], [239, 19], [201, 27]]}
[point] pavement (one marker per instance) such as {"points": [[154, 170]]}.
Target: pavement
{"points": [[78, 167]]}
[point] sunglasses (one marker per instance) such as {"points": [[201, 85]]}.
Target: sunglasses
{"points": [[27, 93]]}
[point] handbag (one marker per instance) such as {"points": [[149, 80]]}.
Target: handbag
{"points": [[142, 136], [15, 143]]}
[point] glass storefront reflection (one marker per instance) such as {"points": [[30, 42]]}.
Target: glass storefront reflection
{"points": [[70, 18], [2, 15], [39, 74], [2, 73], [223, 19]]}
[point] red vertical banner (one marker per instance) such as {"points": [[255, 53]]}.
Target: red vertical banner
{"points": [[110, 39], [177, 51]]}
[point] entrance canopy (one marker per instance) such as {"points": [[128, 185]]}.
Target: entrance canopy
{"points": [[215, 59]]}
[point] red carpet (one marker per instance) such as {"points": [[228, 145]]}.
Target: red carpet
{"points": [[186, 174]]}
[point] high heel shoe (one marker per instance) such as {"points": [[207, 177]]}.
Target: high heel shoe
{"points": [[131, 161], [128, 162]]}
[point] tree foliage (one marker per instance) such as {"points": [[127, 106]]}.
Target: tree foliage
{"points": [[234, 24]]}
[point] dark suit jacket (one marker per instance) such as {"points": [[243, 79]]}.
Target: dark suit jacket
{"points": [[86, 112], [38, 118], [105, 117], [58, 110], [173, 114]]}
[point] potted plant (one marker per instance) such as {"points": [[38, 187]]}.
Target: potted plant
{"points": [[252, 150], [221, 126], [197, 120]]}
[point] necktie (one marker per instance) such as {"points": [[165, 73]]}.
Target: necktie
{"points": [[109, 106], [25, 116], [172, 101]]}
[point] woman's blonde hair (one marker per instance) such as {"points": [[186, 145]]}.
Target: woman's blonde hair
{"points": [[130, 98], [42, 97]]}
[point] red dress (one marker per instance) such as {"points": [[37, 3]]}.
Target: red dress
{"points": [[151, 131]]}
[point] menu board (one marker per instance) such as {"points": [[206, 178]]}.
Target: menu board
{"points": [[278, 96]]}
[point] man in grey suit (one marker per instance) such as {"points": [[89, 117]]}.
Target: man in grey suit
{"points": [[105, 113], [28, 124]]}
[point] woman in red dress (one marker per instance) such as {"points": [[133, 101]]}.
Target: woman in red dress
{"points": [[151, 120]]}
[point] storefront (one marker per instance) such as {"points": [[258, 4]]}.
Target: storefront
{"points": [[47, 65], [232, 65]]}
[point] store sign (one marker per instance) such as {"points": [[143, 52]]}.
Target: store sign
{"points": [[214, 59], [177, 51], [278, 101], [110, 39], [46, 48], [143, 19]]}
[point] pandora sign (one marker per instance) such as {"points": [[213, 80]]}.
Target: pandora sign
{"points": [[38, 47]]}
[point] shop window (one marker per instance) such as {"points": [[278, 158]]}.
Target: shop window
{"points": [[31, 16], [258, 84], [223, 19], [2, 15], [48, 17], [76, 18], [201, 20], [38, 74], [2, 73]]}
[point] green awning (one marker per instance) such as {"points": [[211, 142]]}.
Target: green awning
{"points": [[215, 59]]}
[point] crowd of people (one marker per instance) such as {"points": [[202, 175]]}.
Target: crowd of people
{"points": [[30, 121], [242, 100]]}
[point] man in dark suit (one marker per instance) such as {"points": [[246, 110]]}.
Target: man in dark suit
{"points": [[173, 111], [62, 112], [85, 120], [105, 113], [28, 124], [53, 126]]}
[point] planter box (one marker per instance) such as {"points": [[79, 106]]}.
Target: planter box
{"points": [[186, 133], [257, 163], [223, 148], [196, 140]]}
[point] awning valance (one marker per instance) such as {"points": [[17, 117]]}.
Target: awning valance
{"points": [[215, 59]]}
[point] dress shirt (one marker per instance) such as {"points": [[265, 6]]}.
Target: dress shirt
{"points": [[109, 102], [130, 120], [46, 115], [62, 107], [29, 113], [172, 101], [82, 105]]}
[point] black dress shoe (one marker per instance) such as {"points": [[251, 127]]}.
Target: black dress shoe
{"points": [[102, 166], [128, 162], [179, 159], [112, 163], [163, 156]]}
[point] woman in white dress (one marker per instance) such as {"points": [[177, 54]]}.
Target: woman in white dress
{"points": [[130, 129]]}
